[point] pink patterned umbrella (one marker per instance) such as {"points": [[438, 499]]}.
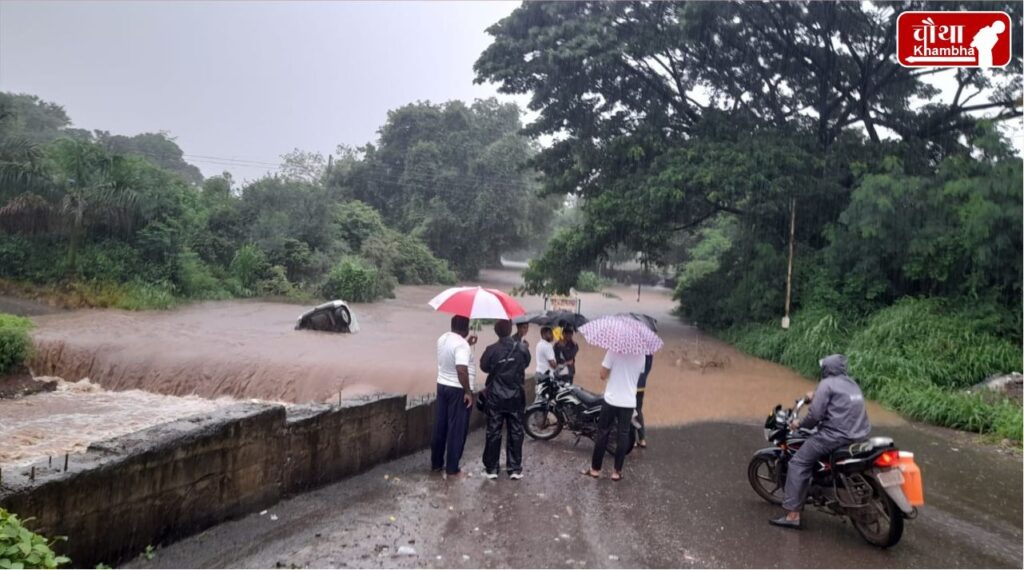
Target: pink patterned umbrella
{"points": [[621, 334]]}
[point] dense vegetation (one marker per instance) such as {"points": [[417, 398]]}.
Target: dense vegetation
{"points": [[692, 132], [101, 219]]}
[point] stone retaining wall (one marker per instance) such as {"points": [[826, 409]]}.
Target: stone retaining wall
{"points": [[175, 479]]}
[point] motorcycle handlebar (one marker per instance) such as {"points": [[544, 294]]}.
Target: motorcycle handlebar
{"points": [[796, 410]]}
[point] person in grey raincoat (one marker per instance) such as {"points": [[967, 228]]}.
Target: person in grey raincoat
{"points": [[837, 409]]}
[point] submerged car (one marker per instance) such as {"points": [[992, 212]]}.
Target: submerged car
{"points": [[332, 316]]}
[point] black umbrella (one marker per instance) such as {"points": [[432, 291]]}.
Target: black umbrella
{"points": [[648, 321], [527, 317], [559, 318]]}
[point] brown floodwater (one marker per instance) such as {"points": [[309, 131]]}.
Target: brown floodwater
{"points": [[78, 413], [248, 349]]}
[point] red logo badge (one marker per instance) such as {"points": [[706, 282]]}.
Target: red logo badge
{"points": [[953, 39]]}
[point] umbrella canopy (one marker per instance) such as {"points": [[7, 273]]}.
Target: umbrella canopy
{"points": [[527, 317], [648, 321], [621, 334], [477, 303], [554, 318]]}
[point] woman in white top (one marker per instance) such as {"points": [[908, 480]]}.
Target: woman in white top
{"points": [[621, 372]]}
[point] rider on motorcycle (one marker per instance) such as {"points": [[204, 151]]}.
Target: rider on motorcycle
{"points": [[837, 409]]}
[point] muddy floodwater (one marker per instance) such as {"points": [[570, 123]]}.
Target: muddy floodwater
{"points": [[78, 413], [249, 349]]}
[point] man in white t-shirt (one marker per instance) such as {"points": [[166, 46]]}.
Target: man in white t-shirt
{"points": [[454, 397], [546, 361], [621, 371]]}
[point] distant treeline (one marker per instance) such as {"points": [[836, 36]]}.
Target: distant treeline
{"points": [[102, 219]]}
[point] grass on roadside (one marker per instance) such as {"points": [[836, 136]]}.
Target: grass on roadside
{"points": [[915, 356]]}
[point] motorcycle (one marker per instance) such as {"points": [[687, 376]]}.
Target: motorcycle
{"points": [[562, 405], [863, 481]]}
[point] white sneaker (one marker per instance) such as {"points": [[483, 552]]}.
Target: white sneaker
{"points": [[491, 476], [516, 476]]}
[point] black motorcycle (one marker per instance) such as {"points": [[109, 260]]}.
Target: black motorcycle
{"points": [[861, 481], [561, 405]]}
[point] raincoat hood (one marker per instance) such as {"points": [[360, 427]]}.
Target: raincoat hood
{"points": [[833, 365]]}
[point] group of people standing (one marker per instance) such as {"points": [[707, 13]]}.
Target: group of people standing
{"points": [[504, 398]]}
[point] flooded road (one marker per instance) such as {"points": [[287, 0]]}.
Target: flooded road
{"points": [[248, 349], [159, 365], [685, 503]]}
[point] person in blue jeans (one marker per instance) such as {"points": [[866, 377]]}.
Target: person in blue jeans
{"points": [[454, 397]]}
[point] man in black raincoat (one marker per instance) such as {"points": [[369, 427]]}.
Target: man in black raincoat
{"points": [[505, 363]]}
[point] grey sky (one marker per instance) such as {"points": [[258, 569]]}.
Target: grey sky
{"points": [[244, 80], [250, 81]]}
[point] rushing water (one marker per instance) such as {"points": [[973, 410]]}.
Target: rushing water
{"points": [[78, 413], [249, 349]]}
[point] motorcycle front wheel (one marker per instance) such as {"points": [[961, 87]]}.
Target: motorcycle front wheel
{"points": [[542, 423], [764, 478], [882, 524]]}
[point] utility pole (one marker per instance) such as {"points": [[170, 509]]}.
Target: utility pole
{"points": [[789, 270]]}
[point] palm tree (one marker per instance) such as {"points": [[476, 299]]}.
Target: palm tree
{"points": [[81, 186]]}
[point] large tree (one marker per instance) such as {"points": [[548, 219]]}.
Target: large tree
{"points": [[664, 115], [452, 175]]}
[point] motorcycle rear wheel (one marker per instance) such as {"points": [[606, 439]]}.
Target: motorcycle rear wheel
{"points": [[762, 472], [542, 424], [886, 528]]}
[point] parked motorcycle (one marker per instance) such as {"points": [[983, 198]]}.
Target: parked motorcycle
{"points": [[871, 482], [561, 405]]}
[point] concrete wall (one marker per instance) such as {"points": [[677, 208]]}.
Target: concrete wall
{"points": [[175, 479]]}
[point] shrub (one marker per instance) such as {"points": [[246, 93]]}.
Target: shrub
{"points": [[108, 261], [276, 282], [589, 282], [355, 279], [407, 258], [355, 222], [22, 548], [249, 266], [139, 295], [15, 344], [194, 279]]}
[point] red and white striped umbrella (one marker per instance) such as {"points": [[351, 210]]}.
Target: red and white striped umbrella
{"points": [[621, 334], [477, 303]]}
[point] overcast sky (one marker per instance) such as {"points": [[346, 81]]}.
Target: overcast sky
{"points": [[241, 83], [244, 80]]}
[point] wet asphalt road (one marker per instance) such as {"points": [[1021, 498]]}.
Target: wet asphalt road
{"points": [[685, 502]]}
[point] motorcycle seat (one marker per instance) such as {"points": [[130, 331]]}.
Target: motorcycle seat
{"points": [[588, 398], [861, 448]]}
